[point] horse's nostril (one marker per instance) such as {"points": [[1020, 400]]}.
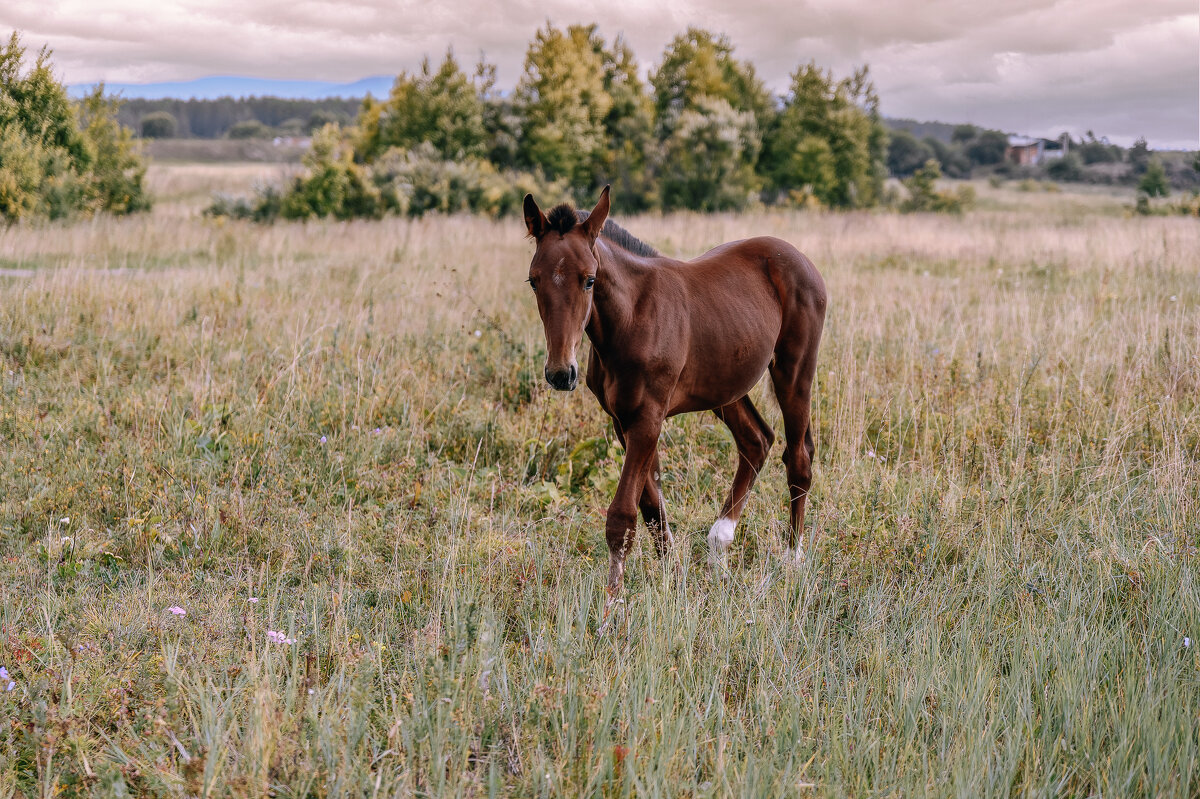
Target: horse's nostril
{"points": [[574, 374]]}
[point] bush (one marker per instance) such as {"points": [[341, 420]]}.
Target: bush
{"points": [[334, 185], [265, 207], [1154, 180], [249, 129], [988, 148], [117, 169], [704, 165], [320, 118], [906, 153], [408, 182], [925, 196], [159, 125], [59, 158], [1068, 168]]}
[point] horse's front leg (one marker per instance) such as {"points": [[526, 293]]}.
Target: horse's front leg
{"points": [[641, 444], [654, 509]]}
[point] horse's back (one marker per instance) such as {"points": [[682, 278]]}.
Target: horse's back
{"points": [[796, 280]]}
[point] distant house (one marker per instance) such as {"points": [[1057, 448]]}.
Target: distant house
{"points": [[1029, 151], [1054, 148]]}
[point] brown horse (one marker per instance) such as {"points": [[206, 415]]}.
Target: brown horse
{"points": [[671, 337]]}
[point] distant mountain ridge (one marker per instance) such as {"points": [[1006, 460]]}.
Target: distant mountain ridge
{"points": [[218, 86]]}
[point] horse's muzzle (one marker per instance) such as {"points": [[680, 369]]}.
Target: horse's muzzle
{"points": [[564, 379]]}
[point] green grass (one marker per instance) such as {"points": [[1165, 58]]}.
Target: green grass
{"points": [[1006, 495]]}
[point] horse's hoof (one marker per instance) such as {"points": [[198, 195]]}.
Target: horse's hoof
{"points": [[720, 537], [794, 557]]}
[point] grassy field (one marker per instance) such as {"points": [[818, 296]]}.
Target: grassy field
{"points": [[331, 448]]}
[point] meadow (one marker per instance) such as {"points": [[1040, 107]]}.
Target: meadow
{"points": [[290, 511]]}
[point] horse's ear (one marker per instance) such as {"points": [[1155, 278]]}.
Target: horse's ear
{"points": [[535, 220], [595, 220]]}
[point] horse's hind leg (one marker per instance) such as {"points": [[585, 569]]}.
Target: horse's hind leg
{"points": [[792, 375], [753, 438]]}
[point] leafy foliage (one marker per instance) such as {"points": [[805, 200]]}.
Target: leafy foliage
{"points": [[58, 158], [698, 67], [706, 165], [581, 117], [710, 112], [249, 129], [829, 139], [906, 153], [564, 103], [444, 108], [1154, 180], [334, 185], [924, 194], [1069, 167], [159, 125]]}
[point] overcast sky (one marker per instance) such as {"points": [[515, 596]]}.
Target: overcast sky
{"points": [[1123, 68]]}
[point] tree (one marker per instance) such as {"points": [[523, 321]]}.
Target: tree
{"points": [[1139, 156], [1097, 151], [698, 65], [1154, 181], [57, 157], [248, 129], [705, 99], [1069, 167], [159, 125], [988, 147], [563, 103], [830, 138], [333, 185], [906, 153], [923, 194], [117, 169], [705, 165], [964, 134], [626, 160], [952, 160], [444, 108], [321, 117]]}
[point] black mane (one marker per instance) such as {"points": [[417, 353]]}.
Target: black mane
{"points": [[564, 217]]}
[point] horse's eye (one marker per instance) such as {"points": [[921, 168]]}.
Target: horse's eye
{"points": [[587, 284], [532, 283]]}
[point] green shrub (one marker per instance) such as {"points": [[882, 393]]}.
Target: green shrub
{"points": [[334, 185], [417, 181], [409, 182], [159, 125], [925, 196], [248, 129], [117, 167], [21, 173], [1069, 168], [264, 207], [1154, 180], [59, 158]]}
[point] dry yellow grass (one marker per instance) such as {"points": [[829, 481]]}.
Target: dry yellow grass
{"points": [[347, 421]]}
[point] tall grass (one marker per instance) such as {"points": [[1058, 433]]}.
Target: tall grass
{"points": [[347, 423]]}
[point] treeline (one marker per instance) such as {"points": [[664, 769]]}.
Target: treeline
{"points": [[703, 134], [59, 157], [244, 117], [965, 151]]}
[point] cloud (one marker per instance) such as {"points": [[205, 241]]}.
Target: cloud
{"points": [[1035, 66]]}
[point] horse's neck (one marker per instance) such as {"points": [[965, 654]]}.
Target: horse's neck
{"points": [[623, 278], [620, 282]]}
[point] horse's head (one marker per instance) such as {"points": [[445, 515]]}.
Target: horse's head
{"points": [[562, 272]]}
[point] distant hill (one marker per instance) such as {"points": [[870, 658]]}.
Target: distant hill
{"points": [[227, 86], [942, 131]]}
